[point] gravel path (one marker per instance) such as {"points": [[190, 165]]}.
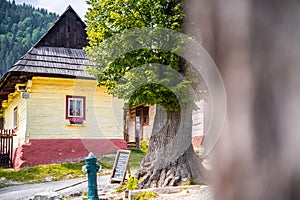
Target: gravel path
{"points": [[65, 188], [73, 189], [29, 190], [204, 195]]}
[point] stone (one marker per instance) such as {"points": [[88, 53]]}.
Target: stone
{"points": [[48, 178], [47, 196], [185, 192]]}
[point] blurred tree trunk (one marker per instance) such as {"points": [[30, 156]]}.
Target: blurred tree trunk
{"points": [[256, 45]]}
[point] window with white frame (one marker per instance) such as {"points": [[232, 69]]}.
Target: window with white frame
{"points": [[75, 109]]}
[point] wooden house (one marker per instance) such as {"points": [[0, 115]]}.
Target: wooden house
{"points": [[54, 107], [138, 124]]}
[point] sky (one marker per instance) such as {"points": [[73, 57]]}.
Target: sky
{"points": [[58, 6]]}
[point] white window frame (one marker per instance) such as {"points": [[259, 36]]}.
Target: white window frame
{"points": [[70, 98]]}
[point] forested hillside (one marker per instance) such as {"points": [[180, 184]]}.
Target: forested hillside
{"points": [[20, 27]]}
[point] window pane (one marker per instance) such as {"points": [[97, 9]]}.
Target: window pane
{"points": [[71, 107], [78, 108]]}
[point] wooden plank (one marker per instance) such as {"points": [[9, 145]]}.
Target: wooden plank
{"points": [[62, 34]]}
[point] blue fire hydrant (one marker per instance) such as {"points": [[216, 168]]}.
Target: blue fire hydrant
{"points": [[92, 168]]}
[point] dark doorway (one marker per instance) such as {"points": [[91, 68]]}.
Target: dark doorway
{"points": [[138, 126]]}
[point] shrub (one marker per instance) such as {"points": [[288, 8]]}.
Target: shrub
{"points": [[145, 195]]}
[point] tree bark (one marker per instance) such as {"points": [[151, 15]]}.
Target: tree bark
{"points": [[171, 159], [257, 49]]}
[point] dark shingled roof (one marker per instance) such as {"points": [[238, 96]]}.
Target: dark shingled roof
{"points": [[59, 53], [54, 61]]}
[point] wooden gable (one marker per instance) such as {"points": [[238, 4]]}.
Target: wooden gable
{"points": [[68, 32]]}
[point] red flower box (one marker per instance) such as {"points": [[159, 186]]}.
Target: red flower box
{"points": [[76, 120]]}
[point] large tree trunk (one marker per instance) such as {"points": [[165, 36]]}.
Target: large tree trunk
{"points": [[171, 159]]}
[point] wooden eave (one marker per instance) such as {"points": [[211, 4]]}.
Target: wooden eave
{"points": [[9, 81]]}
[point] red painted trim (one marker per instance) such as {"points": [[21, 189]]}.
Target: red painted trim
{"points": [[66, 107], [46, 151]]}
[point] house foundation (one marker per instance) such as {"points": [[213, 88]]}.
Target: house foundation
{"points": [[46, 151]]}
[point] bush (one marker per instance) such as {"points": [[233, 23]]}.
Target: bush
{"points": [[144, 145], [131, 184], [145, 195]]}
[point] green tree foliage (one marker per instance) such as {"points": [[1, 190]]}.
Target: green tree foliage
{"points": [[20, 27], [107, 18], [132, 44]]}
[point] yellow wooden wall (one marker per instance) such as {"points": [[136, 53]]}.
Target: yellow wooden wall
{"points": [[42, 116], [47, 107], [15, 100]]}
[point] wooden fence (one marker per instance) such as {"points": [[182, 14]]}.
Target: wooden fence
{"points": [[6, 148]]}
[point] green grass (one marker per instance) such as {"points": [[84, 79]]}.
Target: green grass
{"points": [[136, 158], [107, 161], [44, 173], [64, 171]]}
